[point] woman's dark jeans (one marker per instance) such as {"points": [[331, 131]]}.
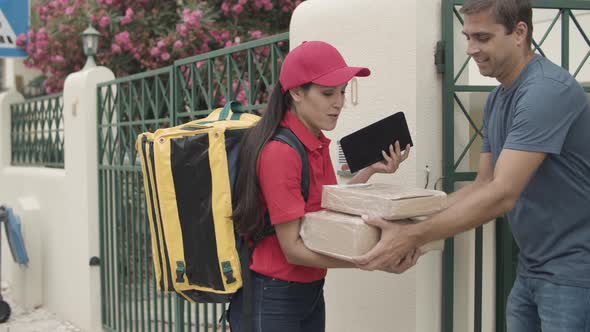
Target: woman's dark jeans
{"points": [[282, 306]]}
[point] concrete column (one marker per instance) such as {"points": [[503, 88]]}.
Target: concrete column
{"points": [[80, 148], [396, 40]]}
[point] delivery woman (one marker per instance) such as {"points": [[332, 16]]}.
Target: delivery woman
{"points": [[287, 277]]}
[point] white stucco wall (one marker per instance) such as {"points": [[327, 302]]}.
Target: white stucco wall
{"points": [[392, 39], [68, 207]]}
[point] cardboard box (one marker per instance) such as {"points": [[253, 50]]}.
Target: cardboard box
{"points": [[344, 236], [386, 201]]}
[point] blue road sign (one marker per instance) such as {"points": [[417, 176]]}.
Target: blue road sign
{"points": [[14, 20]]}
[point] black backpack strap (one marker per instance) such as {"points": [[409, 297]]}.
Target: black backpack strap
{"points": [[287, 136]]}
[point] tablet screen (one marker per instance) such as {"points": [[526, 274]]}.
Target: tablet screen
{"points": [[363, 147]]}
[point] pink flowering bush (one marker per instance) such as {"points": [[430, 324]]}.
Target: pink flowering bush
{"points": [[139, 35]]}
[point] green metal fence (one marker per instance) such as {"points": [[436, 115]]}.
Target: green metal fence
{"points": [[244, 73], [128, 106], [462, 105], [37, 132]]}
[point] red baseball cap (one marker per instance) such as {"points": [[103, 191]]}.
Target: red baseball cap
{"points": [[316, 62]]}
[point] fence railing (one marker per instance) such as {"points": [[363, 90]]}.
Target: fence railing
{"points": [[245, 73], [37, 132], [128, 106]]}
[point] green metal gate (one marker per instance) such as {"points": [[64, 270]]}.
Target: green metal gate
{"points": [[128, 106], [561, 38]]}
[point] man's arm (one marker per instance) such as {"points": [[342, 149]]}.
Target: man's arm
{"points": [[485, 174], [481, 203], [493, 199]]}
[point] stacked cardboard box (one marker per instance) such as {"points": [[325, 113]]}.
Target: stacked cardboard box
{"points": [[340, 232]]}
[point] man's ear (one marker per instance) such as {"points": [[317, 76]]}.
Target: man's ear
{"points": [[521, 30]]}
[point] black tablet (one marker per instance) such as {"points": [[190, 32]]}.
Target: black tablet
{"points": [[363, 147]]}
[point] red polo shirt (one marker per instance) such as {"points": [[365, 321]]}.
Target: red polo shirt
{"points": [[279, 171]]}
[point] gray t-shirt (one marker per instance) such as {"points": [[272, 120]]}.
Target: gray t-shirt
{"points": [[546, 110]]}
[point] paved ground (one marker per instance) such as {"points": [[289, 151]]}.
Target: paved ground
{"points": [[38, 320]]}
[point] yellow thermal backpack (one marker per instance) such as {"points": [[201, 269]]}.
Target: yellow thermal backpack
{"points": [[189, 172]]}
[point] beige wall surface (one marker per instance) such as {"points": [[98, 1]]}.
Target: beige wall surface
{"points": [[396, 40]]}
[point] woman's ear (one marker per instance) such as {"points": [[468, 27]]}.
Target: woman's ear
{"points": [[296, 94]]}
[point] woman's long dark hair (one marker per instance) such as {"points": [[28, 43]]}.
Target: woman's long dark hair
{"points": [[248, 213]]}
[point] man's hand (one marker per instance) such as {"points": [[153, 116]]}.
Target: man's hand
{"points": [[395, 250], [407, 262]]}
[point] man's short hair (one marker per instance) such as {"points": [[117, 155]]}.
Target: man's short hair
{"points": [[507, 12]]}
